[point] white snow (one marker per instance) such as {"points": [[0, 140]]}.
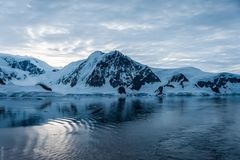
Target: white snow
{"points": [[25, 83]]}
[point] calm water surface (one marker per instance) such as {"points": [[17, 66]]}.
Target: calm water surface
{"points": [[94, 127]]}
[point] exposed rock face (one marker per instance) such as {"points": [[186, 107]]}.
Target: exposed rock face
{"points": [[220, 81], [159, 91], [113, 68], [2, 82], [7, 76], [177, 79], [180, 78], [44, 86], [143, 77], [25, 65], [121, 90]]}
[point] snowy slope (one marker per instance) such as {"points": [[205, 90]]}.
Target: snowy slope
{"points": [[16, 69], [108, 73], [192, 81]]}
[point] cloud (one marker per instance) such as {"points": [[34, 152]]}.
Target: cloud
{"points": [[120, 26], [161, 33], [43, 30]]}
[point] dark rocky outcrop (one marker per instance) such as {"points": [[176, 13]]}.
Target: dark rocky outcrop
{"points": [[121, 90], [179, 78], [2, 82], [159, 91], [4, 77], [25, 65], [218, 82], [44, 86], [144, 76], [55, 70], [96, 79]]}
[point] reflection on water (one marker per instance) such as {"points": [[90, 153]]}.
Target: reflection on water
{"points": [[26, 112], [94, 127]]}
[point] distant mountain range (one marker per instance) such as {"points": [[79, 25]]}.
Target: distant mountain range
{"points": [[109, 73]]}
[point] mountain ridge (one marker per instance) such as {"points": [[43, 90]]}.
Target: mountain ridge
{"points": [[102, 73]]}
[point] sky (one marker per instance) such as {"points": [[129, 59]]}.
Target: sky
{"points": [[160, 33]]}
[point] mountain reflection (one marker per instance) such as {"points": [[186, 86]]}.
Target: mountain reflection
{"points": [[96, 127], [22, 112], [118, 111]]}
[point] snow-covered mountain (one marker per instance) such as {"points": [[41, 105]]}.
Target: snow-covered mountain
{"points": [[111, 73], [113, 69], [192, 81], [16, 68]]}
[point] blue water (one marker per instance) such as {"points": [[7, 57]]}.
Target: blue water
{"points": [[142, 128]]}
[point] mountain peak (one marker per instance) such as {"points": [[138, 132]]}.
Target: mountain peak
{"points": [[98, 54], [116, 53], [113, 68], [95, 54]]}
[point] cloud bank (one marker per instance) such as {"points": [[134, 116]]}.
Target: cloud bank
{"points": [[159, 33]]}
